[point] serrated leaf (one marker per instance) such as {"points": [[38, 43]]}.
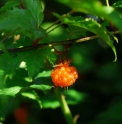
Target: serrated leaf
{"points": [[96, 8], [15, 18], [34, 8], [22, 19], [10, 91], [91, 25], [42, 87], [34, 60], [8, 5]]}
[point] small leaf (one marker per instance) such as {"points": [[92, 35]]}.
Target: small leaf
{"points": [[42, 87], [32, 96], [56, 15], [29, 95], [10, 91], [44, 74]]}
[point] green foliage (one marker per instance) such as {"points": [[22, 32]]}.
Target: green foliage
{"points": [[93, 26], [30, 45]]}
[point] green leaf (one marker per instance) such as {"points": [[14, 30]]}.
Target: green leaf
{"points": [[10, 64], [15, 19], [96, 8], [35, 62], [35, 9], [91, 25], [8, 5], [6, 106], [32, 96], [42, 87], [2, 47], [76, 32], [73, 97], [10, 91], [44, 74], [23, 20]]}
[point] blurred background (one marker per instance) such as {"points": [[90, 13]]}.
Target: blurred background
{"points": [[95, 98]]}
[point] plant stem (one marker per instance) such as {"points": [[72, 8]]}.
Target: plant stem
{"points": [[64, 106], [107, 3], [27, 48]]}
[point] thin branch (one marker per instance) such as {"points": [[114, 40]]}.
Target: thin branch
{"points": [[8, 35], [57, 21], [35, 43], [67, 42]]}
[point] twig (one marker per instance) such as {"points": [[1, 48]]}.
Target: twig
{"points": [[57, 21], [35, 43], [8, 35], [66, 42]]}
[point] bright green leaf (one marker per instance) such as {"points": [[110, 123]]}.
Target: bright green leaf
{"points": [[44, 74], [10, 91], [42, 87], [32, 96], [73, 97]]}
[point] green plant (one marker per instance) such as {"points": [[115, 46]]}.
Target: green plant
{"points": [[29, 50]]}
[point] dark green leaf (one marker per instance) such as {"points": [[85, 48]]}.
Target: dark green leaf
{"points": [[24, 20], [9, 20], [91, 25], [6, 106], [35, 10], [96, 8], [9, 5], [35, 60], [2, 47]]}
